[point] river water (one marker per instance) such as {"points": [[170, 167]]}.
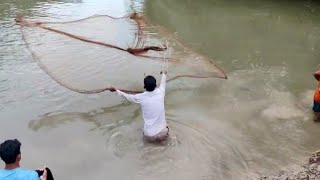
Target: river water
{"points": [[257, 122]]}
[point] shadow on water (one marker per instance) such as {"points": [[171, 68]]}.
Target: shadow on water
{"points": [[110, 114]]}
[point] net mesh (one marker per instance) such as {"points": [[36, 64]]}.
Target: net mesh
{"points": [[90, 55]]}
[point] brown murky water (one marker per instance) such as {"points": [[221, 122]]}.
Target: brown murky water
{"points": [[256, 122]]}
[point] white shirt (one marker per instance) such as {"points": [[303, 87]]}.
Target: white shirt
{"points": [[152, 106]]}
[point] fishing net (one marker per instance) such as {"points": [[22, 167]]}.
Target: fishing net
{"points": [[90, 55]]}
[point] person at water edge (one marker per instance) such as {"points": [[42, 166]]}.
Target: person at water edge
{"points": [[10, 153], [316, 98], [152, 105]]}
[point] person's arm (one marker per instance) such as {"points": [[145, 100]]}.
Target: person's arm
{"points": [[44, 175], [40, 174], [163, 82], [129, 97], [317, 75]]}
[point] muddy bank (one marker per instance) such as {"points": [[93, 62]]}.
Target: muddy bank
{"points": [[309, 171]]}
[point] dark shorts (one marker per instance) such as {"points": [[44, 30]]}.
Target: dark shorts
{"points": [[316, 106]]}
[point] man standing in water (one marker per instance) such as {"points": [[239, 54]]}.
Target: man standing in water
{"points": [[316, 98], [152, 104], [11, 155]]}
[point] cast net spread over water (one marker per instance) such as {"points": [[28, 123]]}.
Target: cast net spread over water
{"points": [[90, 55]]}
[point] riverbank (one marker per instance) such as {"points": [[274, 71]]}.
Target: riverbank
{"points": [[309, 171]]}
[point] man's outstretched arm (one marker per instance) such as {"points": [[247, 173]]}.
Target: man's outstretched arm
{"points": [[129, 97]]}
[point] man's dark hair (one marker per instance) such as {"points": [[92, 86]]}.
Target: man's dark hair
{"points": [[150, 83], [9, 150]]}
